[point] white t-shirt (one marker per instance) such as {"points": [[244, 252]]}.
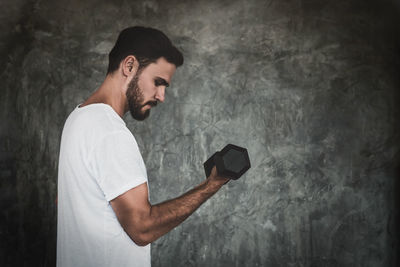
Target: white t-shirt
{"points": [[99, 160]]}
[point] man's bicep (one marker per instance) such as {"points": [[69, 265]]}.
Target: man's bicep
{"points": [[117, 164], [132, 208]]}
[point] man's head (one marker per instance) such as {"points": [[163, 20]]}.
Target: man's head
{"points": [[147, 88], [149, 59]]}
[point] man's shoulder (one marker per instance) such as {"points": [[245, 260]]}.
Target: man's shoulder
{"points": [[98, 119]]}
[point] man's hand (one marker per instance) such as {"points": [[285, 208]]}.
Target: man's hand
{"points": [[145, 223], [214, 177]]}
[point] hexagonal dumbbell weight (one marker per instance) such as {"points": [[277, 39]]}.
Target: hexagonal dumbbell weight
{"points": [[232, 162]]}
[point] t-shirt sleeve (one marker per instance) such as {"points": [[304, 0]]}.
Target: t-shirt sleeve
{"points": [[118, 164]]}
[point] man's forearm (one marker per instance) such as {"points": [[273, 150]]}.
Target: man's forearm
{"points": [[167, 215]]}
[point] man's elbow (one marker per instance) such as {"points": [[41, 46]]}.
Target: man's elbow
{"points": [[140, 239], [141, 243], [139, 232], [138, 228]]}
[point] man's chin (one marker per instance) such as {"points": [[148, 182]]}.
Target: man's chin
{"points": [[140, 116]]}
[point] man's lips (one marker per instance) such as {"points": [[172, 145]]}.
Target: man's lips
{"points": [[150, 104]]}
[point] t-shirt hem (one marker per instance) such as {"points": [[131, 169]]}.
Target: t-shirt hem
{"points": [[124, 189]]}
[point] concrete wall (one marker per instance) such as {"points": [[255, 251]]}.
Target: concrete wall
{"points": [[309, 87]]}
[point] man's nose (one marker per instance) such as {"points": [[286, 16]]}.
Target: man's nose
{"points": [[160, 95]]}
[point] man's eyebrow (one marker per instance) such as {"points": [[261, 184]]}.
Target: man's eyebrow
{"points": [[162, 81]]}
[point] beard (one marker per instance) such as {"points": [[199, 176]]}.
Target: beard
{"points": [[135, 100]]}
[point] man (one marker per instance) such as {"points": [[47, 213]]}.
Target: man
{"points": [[104, 214]]}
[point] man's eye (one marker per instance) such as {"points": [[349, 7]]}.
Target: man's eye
{"points": [[160, 82]]}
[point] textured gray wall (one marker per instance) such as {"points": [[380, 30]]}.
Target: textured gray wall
{"points": [[309, 87]]}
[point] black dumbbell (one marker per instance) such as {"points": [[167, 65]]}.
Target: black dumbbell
{"points": [[231, 162]]}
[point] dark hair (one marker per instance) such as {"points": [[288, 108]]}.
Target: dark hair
{"points": [[146, 44]]}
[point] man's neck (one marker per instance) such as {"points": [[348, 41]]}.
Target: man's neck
{"points": [[109, 93]]}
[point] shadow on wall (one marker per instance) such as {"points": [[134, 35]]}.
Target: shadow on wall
{"points": [[397, 215], [9, 217], [396, 193], [28, 228], [397, 160]]}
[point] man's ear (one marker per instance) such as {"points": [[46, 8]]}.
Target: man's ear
{"points": [[129, 66]]}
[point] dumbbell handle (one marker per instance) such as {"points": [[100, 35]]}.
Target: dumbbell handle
{"points": [[209, 164]]}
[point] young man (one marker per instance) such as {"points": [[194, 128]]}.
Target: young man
{"points": [[104, 214]]}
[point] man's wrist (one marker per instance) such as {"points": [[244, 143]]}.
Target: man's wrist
{"points": [[216, 183]]}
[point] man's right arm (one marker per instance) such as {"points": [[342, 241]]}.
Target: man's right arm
{"points": [[145, 223]]}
